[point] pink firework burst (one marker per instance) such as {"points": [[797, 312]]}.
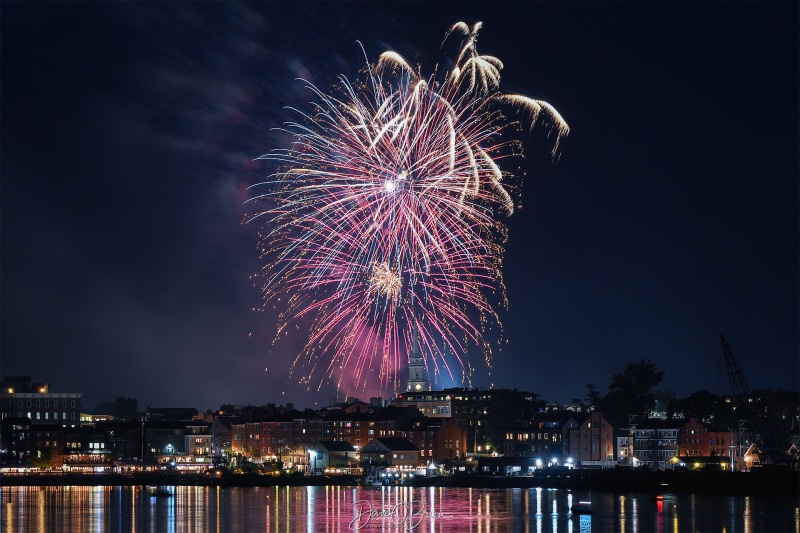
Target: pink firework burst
{"points": [[381, 218]]}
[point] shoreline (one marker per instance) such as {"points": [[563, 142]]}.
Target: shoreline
{"points": [[766, 482]]}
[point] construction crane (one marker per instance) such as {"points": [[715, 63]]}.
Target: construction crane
{"points": [[738, 382], [741, 393]]}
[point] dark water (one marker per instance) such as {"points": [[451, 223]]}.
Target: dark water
{"points": [[334, 509]]}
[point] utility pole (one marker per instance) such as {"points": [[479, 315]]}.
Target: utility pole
{"points": [[631, 432], [742, 429]]}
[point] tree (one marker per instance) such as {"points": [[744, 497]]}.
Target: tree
{"points": [[593, 396], [122, 408], [631, 392], [125, 408], [703, 405], [104, 408], [44, 459]]}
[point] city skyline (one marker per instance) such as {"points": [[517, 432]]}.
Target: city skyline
{"points": [[130, 133]]}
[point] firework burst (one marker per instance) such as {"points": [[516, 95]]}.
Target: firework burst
{"points": [[381, 218]]}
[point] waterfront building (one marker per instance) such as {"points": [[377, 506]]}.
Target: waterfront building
{"points": [[433, 404], [123, 439], [23, 397], [540, 439], [17, 442], [624, 442], [391, 452], [221, 435], [714, 462], [473, 409], [47, 445], [164, 440], [655, 442], [197, 446], [694, 439], [329, 454], [590, 440], [283, 439], [438, 440]]}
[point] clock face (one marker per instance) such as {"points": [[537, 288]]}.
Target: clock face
{"points": [[418, 386]]}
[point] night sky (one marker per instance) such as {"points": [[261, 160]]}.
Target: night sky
{"points": [[130, 133]]}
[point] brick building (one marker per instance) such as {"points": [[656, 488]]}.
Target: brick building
{"points": [[589, 439]]}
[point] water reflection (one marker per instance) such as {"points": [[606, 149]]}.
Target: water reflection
{"points": [[391, 509]]}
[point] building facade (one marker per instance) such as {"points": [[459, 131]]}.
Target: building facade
{"points": [[23, 397], [655, 443], [592, 441]]}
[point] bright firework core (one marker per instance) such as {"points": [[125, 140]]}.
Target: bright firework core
{"points": [[370, 267], [391, 185]]}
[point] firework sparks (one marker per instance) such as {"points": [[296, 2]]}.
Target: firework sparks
{"points": [[386, 282], [381, 216]]}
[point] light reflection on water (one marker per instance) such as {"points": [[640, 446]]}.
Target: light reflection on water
{"points": [[390, 509]]}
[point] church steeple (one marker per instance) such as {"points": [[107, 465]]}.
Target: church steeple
{"points": [[416, 366]]}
